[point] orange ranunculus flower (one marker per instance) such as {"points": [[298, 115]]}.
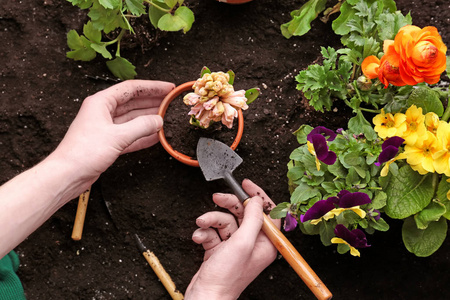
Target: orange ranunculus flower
{"points": [[370, 66], [422, 53], [389, 71]]}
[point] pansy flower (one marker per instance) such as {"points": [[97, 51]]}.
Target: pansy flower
{"points": [[317, 145], [334, 206], [290, 222], [389, 150], [354, 239]]}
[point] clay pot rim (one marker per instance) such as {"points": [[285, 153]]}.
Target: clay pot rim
{"points": [[172, 95]]}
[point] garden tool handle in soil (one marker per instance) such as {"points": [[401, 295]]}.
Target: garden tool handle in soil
{"points": [[159, 270], [78, 225], [295, 260]]}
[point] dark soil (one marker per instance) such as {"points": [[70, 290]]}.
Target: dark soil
{"points": [[158, 197]]}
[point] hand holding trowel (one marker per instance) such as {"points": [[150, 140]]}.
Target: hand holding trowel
{"points": [[218, 161]]}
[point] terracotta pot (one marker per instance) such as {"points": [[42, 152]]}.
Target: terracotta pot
{"points": [[234, 1], [162, 138]]}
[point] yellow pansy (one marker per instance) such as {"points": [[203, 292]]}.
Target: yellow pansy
{"points": [[420, 155], [353, 250], [388, 125], [415, 126]]}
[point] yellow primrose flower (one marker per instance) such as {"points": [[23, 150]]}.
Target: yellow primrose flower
{"points": [[415, 126], [442, 156], [388, 125], [420, 155], [432, 122]]}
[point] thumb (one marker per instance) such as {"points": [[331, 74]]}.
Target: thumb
{"points": [[140, 127], [253, 219]]}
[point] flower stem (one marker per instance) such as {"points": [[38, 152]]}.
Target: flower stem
{"points": [[446, 114], [157, 6]]}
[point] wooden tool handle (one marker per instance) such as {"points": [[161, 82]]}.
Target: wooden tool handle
{"points": [[163, 275], [295, 260], [78, 225]]}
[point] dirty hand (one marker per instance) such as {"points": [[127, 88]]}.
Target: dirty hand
{"points": [[234, 255], [117, 120]]}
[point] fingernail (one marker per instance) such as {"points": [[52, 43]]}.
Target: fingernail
{"points": [[200, 221]]}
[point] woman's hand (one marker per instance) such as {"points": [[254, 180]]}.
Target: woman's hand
{"points": [[120, 119], [234, 255]]}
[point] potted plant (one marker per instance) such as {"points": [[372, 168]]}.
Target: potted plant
{"points": [[392, 161], [213, 100]]}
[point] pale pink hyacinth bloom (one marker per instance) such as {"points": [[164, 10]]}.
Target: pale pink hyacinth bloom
{"points": [[214, 100]]}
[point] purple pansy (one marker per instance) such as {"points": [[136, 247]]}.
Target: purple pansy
{"points": [[355, 238], [290, 222], [344, 199], [389, 149], [317, 138]]}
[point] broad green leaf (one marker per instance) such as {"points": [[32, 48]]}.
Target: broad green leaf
{"points": [[433, 212], [358, 124], [302, 133], [136, 7], [121, 68], [339, 25], [171, 3], [443, 189], [308, 228], [93, 34], [390, 23], [408, 193], [110, 4], [296, 173], [326, 231], [280, 210], [379, 225], [423, 243], [81, 49], [181, 19], [297, 154], [155, 14], [106, 19], [302, 18], [303, 193], [82, 4], [101, 48], [252, 94], [379, 201], [427, 99]]}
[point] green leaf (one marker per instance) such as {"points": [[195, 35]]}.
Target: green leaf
{"points": [[252, 94], [390, 23], [379, 201], [427, 99], [181, 19], [121, 68], [106, 19], [423, 243], [205, 70], [302, 18], [155, 13], [433, 212], [232, 76], [326, 231], [302, 133], [408, 193], [303, 193], [110, 4], [358, 124], [82, 4], [379, 225], [339, 25], [101, 48], [280, 210], [136, 7], [81, 47], [171, 3], [441, 194], [93, 34]]}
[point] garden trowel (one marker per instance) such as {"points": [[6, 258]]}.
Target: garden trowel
{"points": [[218, 161]]}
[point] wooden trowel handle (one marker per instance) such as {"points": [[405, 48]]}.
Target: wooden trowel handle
{"points": [[78, 225], [294, 259]]}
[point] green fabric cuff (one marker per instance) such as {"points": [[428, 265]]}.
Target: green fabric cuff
{"points": [[10, 286]]}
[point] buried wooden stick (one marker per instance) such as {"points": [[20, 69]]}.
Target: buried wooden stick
{"points": [[78, 225], [159, 270]]}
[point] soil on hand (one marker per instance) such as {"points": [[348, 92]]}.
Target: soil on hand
{"points": [[158, 197]]}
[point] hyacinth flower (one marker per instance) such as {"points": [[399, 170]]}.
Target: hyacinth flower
{"points": [[354, 239], [334, 206], [389, 151], [290, 222], [317, 145], [214, 99]]}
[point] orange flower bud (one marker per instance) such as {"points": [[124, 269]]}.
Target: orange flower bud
{"points": [[370, 66], [389, 71], [422, 53]]}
